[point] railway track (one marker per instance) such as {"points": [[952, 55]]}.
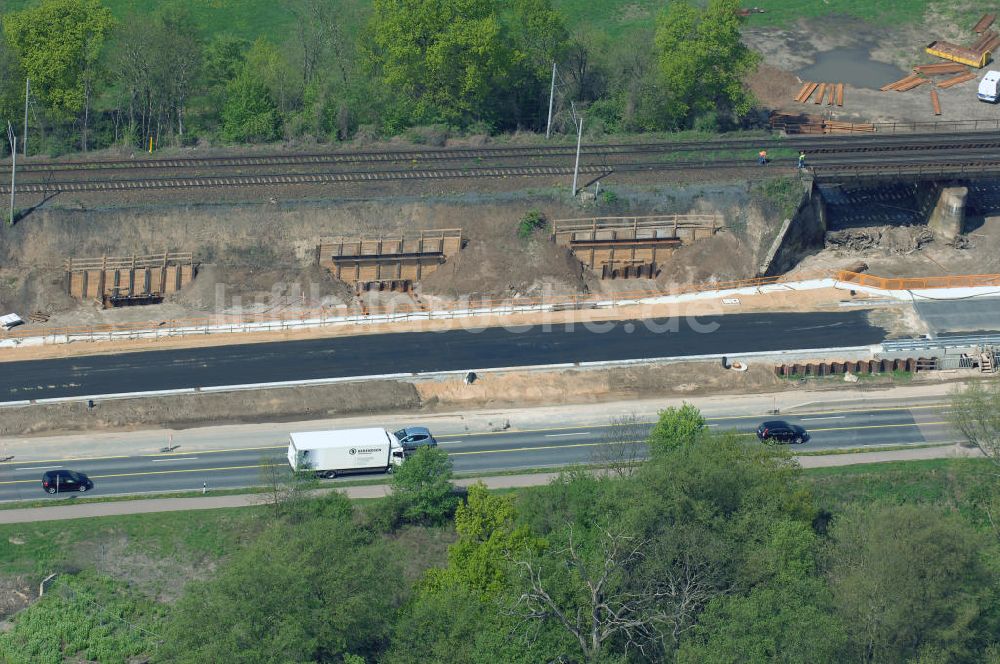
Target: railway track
{"points": [[842, 168], [811, 145], [299, 178], [825, 154]]}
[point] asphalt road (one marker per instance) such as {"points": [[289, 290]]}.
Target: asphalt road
{"points": [[482, 452], [979, 315], [433, 351]]}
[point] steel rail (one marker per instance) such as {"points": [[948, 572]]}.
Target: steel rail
{"points": [[826, 170], [809, 145]]}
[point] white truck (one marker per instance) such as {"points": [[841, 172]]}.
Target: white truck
{"points": [[989, 87], [332, 453]]}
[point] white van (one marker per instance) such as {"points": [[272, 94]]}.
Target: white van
{"points": [[989, 87]]}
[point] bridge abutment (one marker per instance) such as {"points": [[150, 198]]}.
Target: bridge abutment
{"points": [[947, 219]]}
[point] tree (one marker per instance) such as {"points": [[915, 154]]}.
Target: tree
{"points": [[975, 413], [249, 113], [224, 58], [271, 67], [446, 59], [538, 38], [422, 489], [314, 591], [702, 62], [908, 580], [321, 38], [606, 593], [59, 43], [676, 427], [155, 63], [11, 81], [785, 615], [789, 622], [619, 449], [184, 53], [487, 536]]}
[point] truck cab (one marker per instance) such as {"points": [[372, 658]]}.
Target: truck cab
{"points": [[989, 87]]}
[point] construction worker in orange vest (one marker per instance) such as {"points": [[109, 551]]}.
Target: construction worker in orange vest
{"points": [[762, 157]]}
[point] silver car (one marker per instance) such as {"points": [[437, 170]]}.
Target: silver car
{"points": [[412, 438]]}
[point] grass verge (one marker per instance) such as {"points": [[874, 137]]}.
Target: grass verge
{"points": [[964, 485]]}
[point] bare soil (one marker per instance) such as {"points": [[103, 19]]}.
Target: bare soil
{"points": [[16, 592], [595, 385], [162, 578], [789, 49], [182, 411], [260, 258], [894, 252]]}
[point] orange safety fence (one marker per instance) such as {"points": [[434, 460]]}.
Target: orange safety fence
{"points": [[919, 283], [564, 301]]}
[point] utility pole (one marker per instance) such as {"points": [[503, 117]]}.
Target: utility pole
{"points": [[12, 137], [579, 135], [27, 93], [552, 94]]}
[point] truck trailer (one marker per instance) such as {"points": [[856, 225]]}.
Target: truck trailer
{"points": [[337, 452]]}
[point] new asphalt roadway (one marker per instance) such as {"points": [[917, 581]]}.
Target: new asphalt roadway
{"points": [[470, 452], [454, 350]]}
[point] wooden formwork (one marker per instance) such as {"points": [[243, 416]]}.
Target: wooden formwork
{"points": [[631, 247], [123, 281], [388, 262]]}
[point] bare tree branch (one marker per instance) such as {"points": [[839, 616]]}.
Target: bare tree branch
{"points": [[621, 446], [975, 414], [611, 598]]}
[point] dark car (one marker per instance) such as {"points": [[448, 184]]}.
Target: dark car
{"points": [[413, 437], [779, 431], [65, 480]]}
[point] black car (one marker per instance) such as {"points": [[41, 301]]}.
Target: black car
{"points": [[779, 431], [65, 480], [413, 437]]}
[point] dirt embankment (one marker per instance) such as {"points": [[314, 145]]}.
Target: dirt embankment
{"points": [[185, 410], [261, 257]]}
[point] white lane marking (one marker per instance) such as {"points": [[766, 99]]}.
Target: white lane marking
{"points": [[176, 459], [816, 419], [560, 435], [38, 468]]}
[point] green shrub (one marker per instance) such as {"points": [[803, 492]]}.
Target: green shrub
{"points": [[533, 221], [421, 488], [783, 193], [86, 617]]}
